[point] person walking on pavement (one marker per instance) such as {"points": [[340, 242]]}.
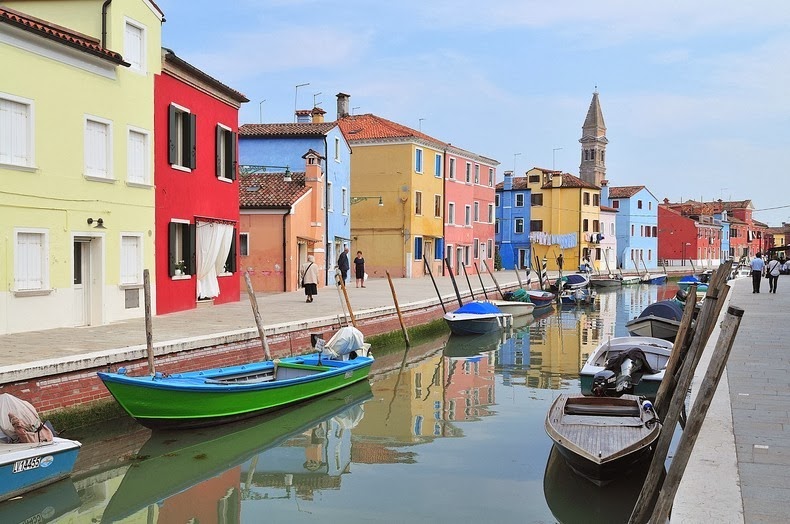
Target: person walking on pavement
{"points": [[757, 265], [310, 278], [359, 269], [772, 271], [343, 264]]}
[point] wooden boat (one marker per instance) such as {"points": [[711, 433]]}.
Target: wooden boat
{"points": [[572, 281], [605, 281], [541, 299], [192, 457], [656, 352], [660, 319], [647, 278], [211, 396], [514, 307], [31, 456], [629, 280], [577, 297], [476, 318], [602, 438]]}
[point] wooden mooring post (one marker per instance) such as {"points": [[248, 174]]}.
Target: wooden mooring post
{"points": [[452, 279], [397, 309], [468, 282], [494, 279], [149, 330], [257, 314], [430, 274], [342, 284], [477, 270]]}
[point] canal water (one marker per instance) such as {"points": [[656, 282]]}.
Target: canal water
{"points": [[451, 430]]}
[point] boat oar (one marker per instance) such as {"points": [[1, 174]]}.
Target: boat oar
{"points": [[485, 264], [452, 278], [468, 283], [430, 274], [477, 269], [149, 332], [257, 314]]}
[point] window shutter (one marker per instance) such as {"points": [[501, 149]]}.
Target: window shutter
{"points": [[191, 250], [192, 151], [172, 153], [171, 259], [230, 263], [218, 143], [231, 158]]}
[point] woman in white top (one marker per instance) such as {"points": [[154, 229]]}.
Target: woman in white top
{"points": [[772, 270]]}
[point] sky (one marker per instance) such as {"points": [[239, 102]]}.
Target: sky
{"points": [[695, 94]]}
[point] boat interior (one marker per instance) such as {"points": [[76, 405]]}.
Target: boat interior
{"points": [[656, 361]]}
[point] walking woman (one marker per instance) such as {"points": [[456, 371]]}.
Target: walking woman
{"points": [[772, 270], [359, 269], [310, 278]]}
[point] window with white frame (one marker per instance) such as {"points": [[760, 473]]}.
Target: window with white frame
{"points": [[98, 152], [330, 199], [451, 213], [477, 175], [496, 226], [468, 177], [337, 149], [30, 260], [134, 46], [466, 255], [490, 184], [437, 206], [451, 174], [497, 200], [225, 159], [137, 155], [16, 131], [519, 199], [437, 166], [490, 250], [182, 127], [344, 200], [418, 160], [519, 225], [418, 202], [477, 212], [131, 260], [490, 213], [181, 248], [417, 248], [476, 248], [244, 244], [467, 215]]}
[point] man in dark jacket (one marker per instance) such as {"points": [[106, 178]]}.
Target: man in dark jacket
{"points": [[343, 263]]}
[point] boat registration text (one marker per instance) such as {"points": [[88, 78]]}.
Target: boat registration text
{"points": [[32, 463]]}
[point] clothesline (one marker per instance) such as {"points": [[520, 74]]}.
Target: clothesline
{"points": [[566, 241]]}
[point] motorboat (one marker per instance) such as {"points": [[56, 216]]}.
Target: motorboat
{"points": [[660, 319], [614, 368], [571, 281], [516, 308], [605, 281], [476, 318], [602, 438], [578, 297]]}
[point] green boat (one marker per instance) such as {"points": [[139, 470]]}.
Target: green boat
{"points": [[172, 462], [208, 397]]}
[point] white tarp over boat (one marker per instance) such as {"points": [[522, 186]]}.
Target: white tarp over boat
{"points": [[20, 421], [347, 340]]}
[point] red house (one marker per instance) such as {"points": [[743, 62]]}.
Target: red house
{"points": [[197, 195]]}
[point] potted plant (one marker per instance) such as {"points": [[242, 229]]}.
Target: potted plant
{"points": [[181, 268]]}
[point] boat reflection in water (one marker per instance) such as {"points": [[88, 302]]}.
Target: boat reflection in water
{"points": [[208, 472], [572, 498], [42, 505]]}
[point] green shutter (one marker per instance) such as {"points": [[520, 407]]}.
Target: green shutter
{"points": [[230, 263], [191, 156], [231, 158], [218, 144], [191, 249], [172, 125], [171, 250]]}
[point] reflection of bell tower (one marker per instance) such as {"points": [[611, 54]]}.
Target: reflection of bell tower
{"points": [[593, 140]]}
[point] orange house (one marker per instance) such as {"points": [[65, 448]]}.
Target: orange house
{"points": [[280, 225]]}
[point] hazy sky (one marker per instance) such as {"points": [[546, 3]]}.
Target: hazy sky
{"points": [[695, 94]]}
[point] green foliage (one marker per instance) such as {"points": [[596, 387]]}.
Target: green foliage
{"points": [[497, 260]]}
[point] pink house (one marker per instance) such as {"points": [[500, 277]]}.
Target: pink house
{"points": [[197, 196]]}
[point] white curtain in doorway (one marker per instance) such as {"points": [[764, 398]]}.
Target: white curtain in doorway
{"points": [[213, 246]]}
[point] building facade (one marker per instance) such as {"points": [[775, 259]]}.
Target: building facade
{"points": [[513, 215]]}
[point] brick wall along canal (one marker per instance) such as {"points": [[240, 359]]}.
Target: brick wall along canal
{"points": [[451, 431]]}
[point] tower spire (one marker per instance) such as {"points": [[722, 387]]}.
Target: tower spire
{"points": [[593, 141]]}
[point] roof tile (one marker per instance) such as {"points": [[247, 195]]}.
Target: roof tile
{"points": [[269, 190]]}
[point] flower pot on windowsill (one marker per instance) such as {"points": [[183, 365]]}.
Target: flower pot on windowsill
{"points": [[178, 272]]}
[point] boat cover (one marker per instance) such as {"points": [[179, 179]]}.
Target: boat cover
{"points": [[689, 279], [668, 309], [20, 422], [575, 279], [478, 308], [641, 365], [346, 340]]}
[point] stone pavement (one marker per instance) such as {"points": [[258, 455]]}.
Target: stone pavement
{"points": [[739, 470]]}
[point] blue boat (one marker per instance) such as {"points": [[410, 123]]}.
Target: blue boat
{"points": [[660, 320], [647, 278], [689, 280], [477, 318]]}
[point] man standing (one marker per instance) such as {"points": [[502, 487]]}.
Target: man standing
{"points": [[757, 265], [343, 263]]}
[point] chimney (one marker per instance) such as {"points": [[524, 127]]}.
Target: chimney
{"points": [[342, 105], [303, 116], [314, 179], [507, 182], [318, 115]]}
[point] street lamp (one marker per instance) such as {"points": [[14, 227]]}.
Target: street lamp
{"points": [[296, 93], [260, 110], [358, 199], [250, 169]]}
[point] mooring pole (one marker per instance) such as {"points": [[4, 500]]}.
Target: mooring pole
{"points": [[468, 283], [149, 330], [477, 269], [494, 279], [397, 309], [452, 278], [257, 314], [430, 274], [339, 279]]}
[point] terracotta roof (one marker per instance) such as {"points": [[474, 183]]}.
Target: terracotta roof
{"points": [[269, 190], [624, 191], [286, 130], [569, 180], [519, 183], [371, 127], [170, 56], [609, 209], [313, 152], [59, 34]]}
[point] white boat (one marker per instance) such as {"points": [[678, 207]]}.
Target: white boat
{"points": [[513, 307], [477, 318], [656, 352], [742, 272]]}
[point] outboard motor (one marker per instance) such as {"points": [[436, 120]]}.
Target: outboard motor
{"points": [[682, 295], [604, 383], [625, 382]]}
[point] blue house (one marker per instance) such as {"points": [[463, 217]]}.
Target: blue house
{"points": [[636, 225], [511, 229], [281, 145]]}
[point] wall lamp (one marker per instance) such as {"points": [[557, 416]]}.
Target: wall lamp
{"points": [[99, 223], [358, 199], [249, 169]]}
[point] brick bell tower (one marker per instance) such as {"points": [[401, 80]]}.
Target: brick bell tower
{"points": [[593, 141]]}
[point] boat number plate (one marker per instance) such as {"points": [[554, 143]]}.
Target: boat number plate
{"points": [[32, 463]]}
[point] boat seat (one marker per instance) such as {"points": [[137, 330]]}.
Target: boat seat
{"points": [[604, 411], [242, 380]]}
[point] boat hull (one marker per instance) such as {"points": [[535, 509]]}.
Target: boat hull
{"points": [[662, 279], [469, 324], [26, 467], [515, 308], [605, 282], [653, 326], [203, 398]]}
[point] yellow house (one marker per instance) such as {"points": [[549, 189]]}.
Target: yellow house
{"points": [[76, 161], [396, 194], [565, 218]]}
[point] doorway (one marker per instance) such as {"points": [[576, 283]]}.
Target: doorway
{"points": [[81, 286]]}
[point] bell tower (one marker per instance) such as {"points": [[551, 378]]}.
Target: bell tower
{"points": [[593, 141]]}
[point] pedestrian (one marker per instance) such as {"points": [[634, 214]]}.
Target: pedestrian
{"points": [[772, 270], [342, 263], [310, 278], [786, 267], [359, 269], [757, 265]]}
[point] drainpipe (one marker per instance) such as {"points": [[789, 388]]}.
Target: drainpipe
{"points": [[104, 8], [326, 210], [285, 252]]}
